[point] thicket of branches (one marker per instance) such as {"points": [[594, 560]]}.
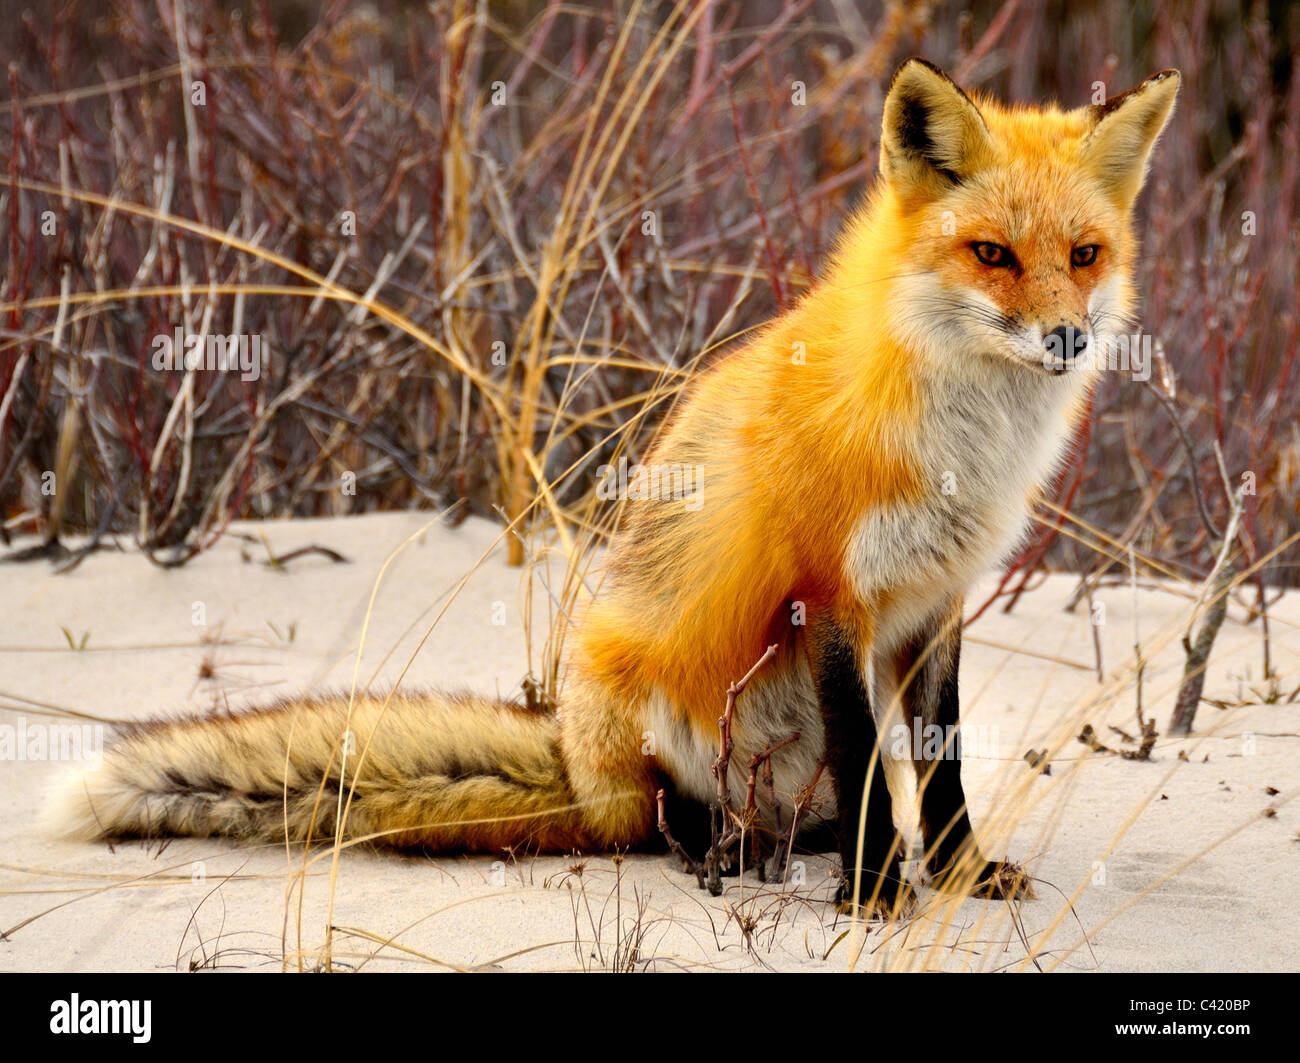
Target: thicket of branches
{"points": [[484, 244]]}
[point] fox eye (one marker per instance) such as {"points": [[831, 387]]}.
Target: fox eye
{"points": [[993, 254], [1084, 256]]}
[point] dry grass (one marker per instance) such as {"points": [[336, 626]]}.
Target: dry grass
{"points": [[521, 289], [555, 214]]}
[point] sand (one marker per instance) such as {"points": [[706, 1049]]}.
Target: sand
{"points": [[1169, 864]]}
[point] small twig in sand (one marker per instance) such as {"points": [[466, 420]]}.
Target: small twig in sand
{"points": [[802, 800], [1037, 758], [1088, 737], [723, 820], [675, 845], [1096, 634], [274, 561], [749, 814], [724, 725], [1197, 648], [1147, 727]]}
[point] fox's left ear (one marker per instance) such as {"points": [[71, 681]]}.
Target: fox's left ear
{"points": [[1124, 131]]}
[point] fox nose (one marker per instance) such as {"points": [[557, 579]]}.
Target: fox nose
{"points": [[1064, 344]]}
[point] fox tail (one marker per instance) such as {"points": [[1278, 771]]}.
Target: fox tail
{"points": [[445, 772]]}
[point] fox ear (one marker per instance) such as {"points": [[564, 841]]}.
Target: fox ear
{"points": [[1124, 131], [932, 136]]}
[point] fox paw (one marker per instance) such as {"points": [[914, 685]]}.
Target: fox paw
{"points": [[997, 880], [1006, 882]]}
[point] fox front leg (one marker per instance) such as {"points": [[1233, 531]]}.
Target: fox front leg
{"points": [[925, 673], [863, 806]]}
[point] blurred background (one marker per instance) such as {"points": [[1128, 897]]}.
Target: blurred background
{"points": [[483, 245]]}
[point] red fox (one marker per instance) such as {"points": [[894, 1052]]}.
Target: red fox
{"points": [[872, 452]]}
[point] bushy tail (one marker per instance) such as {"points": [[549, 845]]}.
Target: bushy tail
{"points": [[450, 772]]}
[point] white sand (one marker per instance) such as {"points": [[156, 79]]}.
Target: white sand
{"points": [[1119, 837]]}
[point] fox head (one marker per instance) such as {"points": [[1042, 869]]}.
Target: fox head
{"points": [[1014, 222]]}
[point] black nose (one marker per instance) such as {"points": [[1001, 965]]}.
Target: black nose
{"points": [[1064, 344]]}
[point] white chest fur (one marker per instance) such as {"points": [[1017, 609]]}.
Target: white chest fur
{"points": [[985, 440]]}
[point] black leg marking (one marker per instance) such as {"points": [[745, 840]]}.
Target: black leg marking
{"points": [[930, 699], [852, 749]]}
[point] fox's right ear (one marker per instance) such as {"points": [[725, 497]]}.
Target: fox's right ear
{"points": [[932, 136]]}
